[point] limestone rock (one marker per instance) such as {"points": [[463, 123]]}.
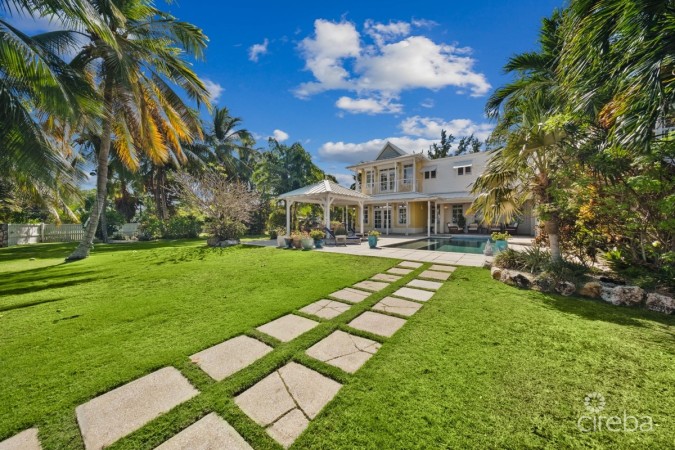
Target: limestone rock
{"points": [[518, 279], [544, 282], [592, 289], [661, 303], [565, 288], [622, 295], [496, 272]]}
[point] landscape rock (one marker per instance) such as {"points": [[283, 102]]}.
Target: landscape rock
{"points": [[660, 303], [592, 289], [622, 295], [496, 272], [544, 282], [518, 279], [565, 288]]}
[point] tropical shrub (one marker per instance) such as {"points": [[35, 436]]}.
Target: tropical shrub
{"points": [[499, 236], [183, 227], [317, 234], [374, 233]]}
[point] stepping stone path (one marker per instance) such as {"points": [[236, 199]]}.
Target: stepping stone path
{"points": [[26, 440], [434, 275], [111, 416], [386, 277], [424, 284], [413, 294], [226, 358], [344, 351], [286, 400], [369, 285], [209, 433], [326, 309], [288, 327], [350, 295], [397, 306], [410, 264], [377, 323], [399, 271], [440, 268]]}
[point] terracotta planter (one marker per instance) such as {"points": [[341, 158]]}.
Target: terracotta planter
{"points": [[297, 243]]}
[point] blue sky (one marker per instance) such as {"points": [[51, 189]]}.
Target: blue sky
{"points": [[343, 77]]}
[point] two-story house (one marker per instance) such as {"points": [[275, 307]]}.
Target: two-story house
{"points": [[410, 193]]}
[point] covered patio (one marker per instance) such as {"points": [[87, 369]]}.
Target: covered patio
{"points": [[327, 194]]}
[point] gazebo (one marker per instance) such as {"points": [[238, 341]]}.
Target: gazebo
{"points": [[327, 194]]}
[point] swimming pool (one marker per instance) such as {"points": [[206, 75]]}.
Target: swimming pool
{"points": [[460, 244]]}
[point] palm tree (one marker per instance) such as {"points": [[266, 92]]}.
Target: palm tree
{"points": [[531, 125], [142, 112]]}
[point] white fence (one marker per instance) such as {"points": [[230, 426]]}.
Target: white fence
{"points": [[20, 234]]}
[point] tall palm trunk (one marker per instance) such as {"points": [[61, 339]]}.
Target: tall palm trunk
{"points": [[553, 230], [82, 250]]}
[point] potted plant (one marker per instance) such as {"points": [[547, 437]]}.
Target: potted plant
{"points": [[501, 240], [461, 222], [372, 238], [306, 241], [318, 237], [281, 237], [296, 238]]}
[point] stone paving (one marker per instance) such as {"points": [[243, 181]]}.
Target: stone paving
{"points": [[226, 358], [286, 400], [377, 323], [26, 440], [399, 271], [210, 432], [424, 284], [288, 327], [439, 268], [111, 416], [386, 277], [344, 351], [350, 295], [435, 275], [413, 294], [369, 285], [326, 309], [397, 306], [410, 264]]}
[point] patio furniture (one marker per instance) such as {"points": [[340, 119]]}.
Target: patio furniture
{"points": [[453, 228], [472, 227], [495, 227], [512, 228]]}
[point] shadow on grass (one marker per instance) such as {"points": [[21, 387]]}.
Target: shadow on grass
{"points": [[36, 280], [29, 304]]}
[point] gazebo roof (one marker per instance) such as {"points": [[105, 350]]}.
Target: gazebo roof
{"points": [[323, 189]]}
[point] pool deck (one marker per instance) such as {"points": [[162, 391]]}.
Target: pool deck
{"points": [[382, 251]]}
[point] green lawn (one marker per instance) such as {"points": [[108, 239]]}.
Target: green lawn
{"points": [[481, 365]]}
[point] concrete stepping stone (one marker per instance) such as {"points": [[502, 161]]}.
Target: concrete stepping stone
{"points": [[288, 327], [424, 284], [370, 285], [413, 294], [350, 295], [111, 416], [434, 275], [386, 277], [441, 268], [286, 400], [211, 432], [399, 271], [397, 306], [377, 323], [26, 440], [226, 358], [410, 264], [326, 309], [344, 351]]}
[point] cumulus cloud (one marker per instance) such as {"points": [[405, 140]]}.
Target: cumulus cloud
{"points": [[256, 50], [214, 89], [368, 105], [428, 103], [354, 152], [340, 58], [344, 179], [430, 127], [279, 135]]}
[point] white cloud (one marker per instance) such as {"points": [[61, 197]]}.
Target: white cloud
{"points": [[214, 89], [256, 50], [279, 136], [428, 103], [339, 60], [430, 127], [39, 24], [352, 153], [344, 179], [368, 105]]}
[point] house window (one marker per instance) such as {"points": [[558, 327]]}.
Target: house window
{"points": [[388, 180], [457, 210], [366, 209], [402, 215], [464, 170], [407, 174], [370, 178], [430, 174]]}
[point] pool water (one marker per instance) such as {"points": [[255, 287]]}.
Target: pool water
{"points": [[447, 244]]}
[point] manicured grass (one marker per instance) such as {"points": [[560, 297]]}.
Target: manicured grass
{"points": [[481, 365]]}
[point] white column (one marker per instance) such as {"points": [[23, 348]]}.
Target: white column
{"points": [[407, 217], [428, 218], [386, 221], [361, 218], [436, 218], [326, 212], [414, 180], [288, 217]]}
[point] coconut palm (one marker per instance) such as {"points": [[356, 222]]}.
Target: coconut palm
{"points": [[142, 111]]}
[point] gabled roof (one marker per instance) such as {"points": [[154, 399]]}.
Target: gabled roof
{"points": [[390, 151], [324, 187]]}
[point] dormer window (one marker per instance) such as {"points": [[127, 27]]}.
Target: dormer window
{"points": [[463, 168], [430, 173]]}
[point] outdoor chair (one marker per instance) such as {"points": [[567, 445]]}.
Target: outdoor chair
{"points": [[512, 228], [472, 227], [453, 228], [495, 227]]}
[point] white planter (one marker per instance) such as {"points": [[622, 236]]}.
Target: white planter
{"points": [[281, 242]]}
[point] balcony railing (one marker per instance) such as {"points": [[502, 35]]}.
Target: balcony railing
{"points": [[405, 185]]}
